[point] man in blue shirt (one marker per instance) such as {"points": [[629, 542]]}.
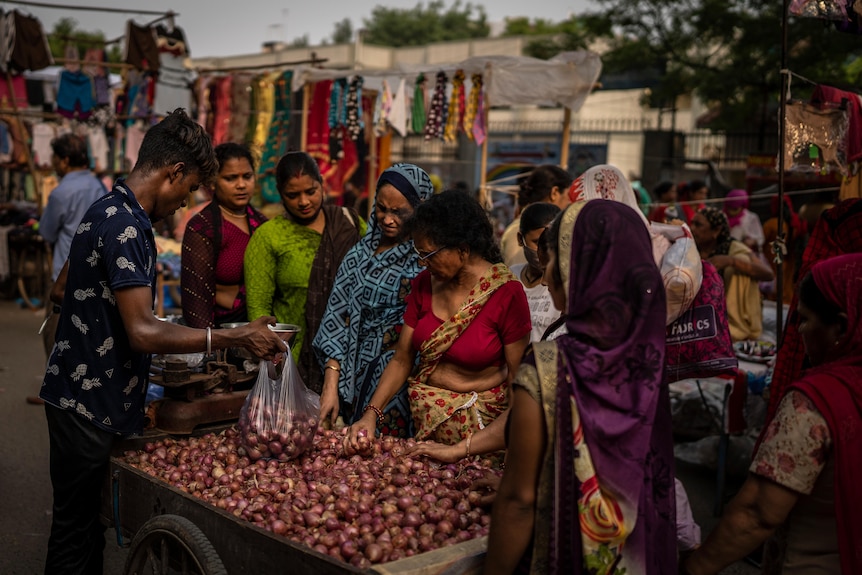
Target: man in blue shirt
{"points": [[66, 205], [96, 378]]}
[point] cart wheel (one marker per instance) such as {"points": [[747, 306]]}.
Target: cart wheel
{"points": [[172, 544]]}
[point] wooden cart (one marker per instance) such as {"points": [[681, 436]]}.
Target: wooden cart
{"points": [[170, 531]]}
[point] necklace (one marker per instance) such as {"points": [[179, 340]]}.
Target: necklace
{"points": [[231, 214]]}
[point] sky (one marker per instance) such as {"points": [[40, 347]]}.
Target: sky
{"points": [[231, 27]]}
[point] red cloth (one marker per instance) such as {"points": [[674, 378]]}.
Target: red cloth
{"points": [[838, 231], [317, 130], [505, 319], [823, 94]]}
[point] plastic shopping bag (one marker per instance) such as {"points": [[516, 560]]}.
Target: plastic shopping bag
{"points": [[280, 415], [680, 268]]}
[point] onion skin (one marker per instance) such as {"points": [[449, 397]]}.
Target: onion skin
{"points": [[365, 508]]}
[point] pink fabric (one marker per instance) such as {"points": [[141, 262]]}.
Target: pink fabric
{"points": [[230, 261], [840, 280], [733, 200], [854, 129]]}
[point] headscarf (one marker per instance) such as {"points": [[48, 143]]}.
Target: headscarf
{"points": [[345, 307], [610, 363], [735, 199], [835, 388], [608, 183], [718, 221], [798, 226]]}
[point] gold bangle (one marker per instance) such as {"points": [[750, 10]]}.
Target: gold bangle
{"points": [[209, 341], [333, 368], [469, 439], [375, 410]]}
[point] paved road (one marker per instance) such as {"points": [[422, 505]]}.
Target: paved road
{"points": [[25, 487]]}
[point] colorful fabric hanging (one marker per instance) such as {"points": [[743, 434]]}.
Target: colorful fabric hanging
{"points": [[472, 104], [479, 128], [455, 118], [418, 117], [337, 119], [382, 109], [434, 124], [398, 111], [276, 142], [355, 125]]}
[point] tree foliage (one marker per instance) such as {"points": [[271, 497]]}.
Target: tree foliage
{"points": [[423, 25], [66, 32], [343, 32], [728, 52], [551, 37]]}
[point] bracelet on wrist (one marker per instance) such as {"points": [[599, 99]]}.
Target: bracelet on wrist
{"points": [[376, 410], [469, 439], [209, 341], [334, 368]]}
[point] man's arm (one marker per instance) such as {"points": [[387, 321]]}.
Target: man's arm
{"points": [[59, 287]]}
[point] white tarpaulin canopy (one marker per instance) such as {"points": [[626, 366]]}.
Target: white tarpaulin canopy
{"points": [[566, 79]]}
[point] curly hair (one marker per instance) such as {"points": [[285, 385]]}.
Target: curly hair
{"points": [[455, 219], [538, 185], [233, 151], [294, 165], [73, 148], [177, 139]]}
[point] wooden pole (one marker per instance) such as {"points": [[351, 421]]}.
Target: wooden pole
{"points": [[782, 113], [31, 165], [306, 99], [567, 137]]}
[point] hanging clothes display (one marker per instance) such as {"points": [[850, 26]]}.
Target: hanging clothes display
{"points": [[418, 106], [398, 110], [455, 117], [815, 137], [276, 140], [24, 44], [355, 124], [337, 118], [472, 104], [434, 124], [263, 96], [479, 130], [75, 95], [219, 101], [382, 108], [19, 91], [141, 47], [825, 95], [240, 106], [317, 126]]}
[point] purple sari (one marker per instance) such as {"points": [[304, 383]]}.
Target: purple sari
{"points": [[612, 498]]}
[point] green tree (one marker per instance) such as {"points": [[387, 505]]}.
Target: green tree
{"points": [[728, 52], [423, 25], [300, 42], [551, 37], [343, 33], [66, 32]]}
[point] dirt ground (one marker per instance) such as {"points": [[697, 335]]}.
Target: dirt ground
{"points": [[25, 485]]}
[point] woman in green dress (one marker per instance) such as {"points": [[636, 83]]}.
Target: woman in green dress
{"points": [[291, 261]]}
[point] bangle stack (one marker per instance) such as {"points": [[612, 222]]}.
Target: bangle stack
{"points": [[376, 410], [209, 341]]}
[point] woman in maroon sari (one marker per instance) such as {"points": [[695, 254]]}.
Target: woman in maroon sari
{"points": [[588, 485], [805, 474]]}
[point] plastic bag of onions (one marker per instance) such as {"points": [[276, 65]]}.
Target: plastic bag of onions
{"points": [[280, 415]]}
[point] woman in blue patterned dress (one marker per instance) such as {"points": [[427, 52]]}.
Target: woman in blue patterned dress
{"points": [[363, 317]]}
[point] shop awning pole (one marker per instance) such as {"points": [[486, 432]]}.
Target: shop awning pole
{"points": [[567, 138], [484, 196]]}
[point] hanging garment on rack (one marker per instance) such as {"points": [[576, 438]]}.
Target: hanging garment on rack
{"points": [[141, 48], [7, 38], [75, 95], [337, 118], [94, 59], [173, 87], [472, 104], [220, 94], [171, 40], [18, 134], [43, 134], [355, 124], [823, 9], [815, 137], [202, 95], [6, 143], [97, 143], [25, 43], [240, 106], [419, 104], [398, 111], [317, 135], [264, 110], [134, 138], [276, 142], [826, 94], [434, 124], [19, 87], [455, 117], [382, 109], [479, 130]]}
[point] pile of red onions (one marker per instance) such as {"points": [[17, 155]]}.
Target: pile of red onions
{"points": [[360, 509], [267, 433]]}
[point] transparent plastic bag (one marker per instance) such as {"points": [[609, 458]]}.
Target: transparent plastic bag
{"points": [[280, 415]]}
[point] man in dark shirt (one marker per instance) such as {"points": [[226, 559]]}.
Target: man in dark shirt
{"points": [[96, 378]]}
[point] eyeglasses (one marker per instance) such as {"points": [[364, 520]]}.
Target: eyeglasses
{"points": [[429, 255]]}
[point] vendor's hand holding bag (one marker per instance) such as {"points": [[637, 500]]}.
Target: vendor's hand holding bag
{"points": [[698, 343], [280, 415]]}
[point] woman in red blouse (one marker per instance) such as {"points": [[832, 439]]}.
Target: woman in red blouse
{"points": [[467, 320], [214, 244]]}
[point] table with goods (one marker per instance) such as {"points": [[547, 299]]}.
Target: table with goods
{"points": [[273, 492]]}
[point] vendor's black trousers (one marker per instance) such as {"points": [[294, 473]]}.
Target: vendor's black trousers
{"points": [[80, 452]]}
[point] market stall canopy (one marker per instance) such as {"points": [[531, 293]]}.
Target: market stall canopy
{"points": [[566, 79]]}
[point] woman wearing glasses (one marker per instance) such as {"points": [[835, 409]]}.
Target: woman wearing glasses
{"points": [[467, 323], [363, 317]]}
